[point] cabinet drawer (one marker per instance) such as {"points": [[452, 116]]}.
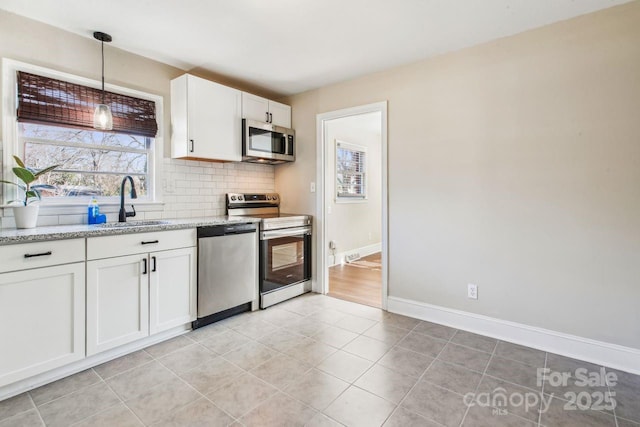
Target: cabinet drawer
{"points": [[138, 243], [24, 256]]}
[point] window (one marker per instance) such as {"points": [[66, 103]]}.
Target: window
{"points": [[92, 163], [351, 169], [54, 125]]}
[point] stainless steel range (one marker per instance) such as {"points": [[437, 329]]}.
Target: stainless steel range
{"points": [[285, 246]]}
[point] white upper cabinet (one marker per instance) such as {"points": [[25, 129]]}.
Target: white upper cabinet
{"points": [[206, 120], [264, 110]]}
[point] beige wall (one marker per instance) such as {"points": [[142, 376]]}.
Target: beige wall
{"points": [[187, 188], [355, 225], [525, 155]]}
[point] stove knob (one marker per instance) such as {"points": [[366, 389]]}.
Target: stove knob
{"points": [[233, 198], [268, 197], [275, 197], [241, 198]]}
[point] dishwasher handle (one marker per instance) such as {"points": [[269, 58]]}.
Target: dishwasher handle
{"points": [[227, 229]]}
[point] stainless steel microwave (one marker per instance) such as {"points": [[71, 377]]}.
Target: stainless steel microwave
{"points": [[267, 143]]}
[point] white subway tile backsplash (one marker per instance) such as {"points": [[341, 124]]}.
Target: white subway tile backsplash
{"points": [[190, 189]]}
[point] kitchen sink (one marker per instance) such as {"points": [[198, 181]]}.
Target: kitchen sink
{"points": [[132, 224]]}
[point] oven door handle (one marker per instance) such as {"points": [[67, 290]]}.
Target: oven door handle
{"points": [[274, 234]]}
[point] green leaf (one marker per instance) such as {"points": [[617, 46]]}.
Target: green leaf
{"points": [[45, 170], [31, 194], [25, 175], [19, 161]]}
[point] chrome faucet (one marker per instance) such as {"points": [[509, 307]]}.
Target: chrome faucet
{"points": [[122, 216]]}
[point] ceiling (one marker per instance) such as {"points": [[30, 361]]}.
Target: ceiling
{"points": [[290, 46]]}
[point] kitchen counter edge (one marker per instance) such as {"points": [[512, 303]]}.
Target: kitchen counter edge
{"points": [[78, 231]]}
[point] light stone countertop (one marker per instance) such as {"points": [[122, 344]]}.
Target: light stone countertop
{"points": [[59, 232]]}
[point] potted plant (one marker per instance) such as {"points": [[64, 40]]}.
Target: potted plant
{"points": [[26, 215]]}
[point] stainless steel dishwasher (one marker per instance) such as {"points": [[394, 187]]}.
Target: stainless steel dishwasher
{"points": [[227, 271]]}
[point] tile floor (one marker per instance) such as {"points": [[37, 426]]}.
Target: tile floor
{"points": [[319, 361]]}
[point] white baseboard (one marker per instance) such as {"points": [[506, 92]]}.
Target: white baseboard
{"points": [[73, 368], [364, 251], [598, 352]]}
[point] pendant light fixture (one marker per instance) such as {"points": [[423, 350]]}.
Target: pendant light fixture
{"points": [[102, 118]]}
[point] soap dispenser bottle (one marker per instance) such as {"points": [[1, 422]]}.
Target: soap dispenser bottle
{"points": [[93, 210]]}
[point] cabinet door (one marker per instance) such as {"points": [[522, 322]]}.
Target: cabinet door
{"points": [[280, 114], [214, 121], [41, 320], [172, 288], [255, 107], [117, 302]]}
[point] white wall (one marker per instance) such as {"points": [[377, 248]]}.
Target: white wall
{"points": [[186, 188], [354, 225], [525, 154]]}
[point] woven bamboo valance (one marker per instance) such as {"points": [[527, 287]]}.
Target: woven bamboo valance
{"points": [[46, 100]]}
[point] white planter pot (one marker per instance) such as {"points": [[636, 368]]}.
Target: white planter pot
{"points": [[26, 216]]}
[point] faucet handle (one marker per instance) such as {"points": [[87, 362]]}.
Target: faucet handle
{"points": [[131, 213]]}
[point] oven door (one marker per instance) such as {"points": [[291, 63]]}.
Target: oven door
{"points": [[285, 258]]}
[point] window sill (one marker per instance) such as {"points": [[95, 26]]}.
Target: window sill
{"points": [[105, 207]]}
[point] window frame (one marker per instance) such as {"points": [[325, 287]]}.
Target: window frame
{"points": [[11, 135], [353, 147]]}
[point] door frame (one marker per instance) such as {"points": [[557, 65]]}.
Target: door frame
{"points": [[322, 271]]}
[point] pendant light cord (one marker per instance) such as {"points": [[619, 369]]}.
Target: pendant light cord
{"points": [[102, 43]]}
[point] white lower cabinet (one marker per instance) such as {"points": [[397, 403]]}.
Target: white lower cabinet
{"points": [[42, 319], [132, 296]]}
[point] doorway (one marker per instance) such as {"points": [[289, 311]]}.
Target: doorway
{"points": [[352, 204]]}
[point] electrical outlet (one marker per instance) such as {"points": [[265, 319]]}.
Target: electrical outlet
{"points": [[472, 291], [312, 187]]}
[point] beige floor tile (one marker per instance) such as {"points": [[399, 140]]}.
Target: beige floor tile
{"points": [[485, 416], [242, 394], [281, 371], [281, 340], [436, 404], [493, 388], [279, 317], [199, 413], [279, 410], [355, 324], [162, 400], [317, 389], [306, 328], [311, 352], [452, 377], [137, 381], [207, 332], [29, 418], [369, 348], [520, 353], [406, 361], [399, 321], [345, 366], [169, 346], [335, 337], [422, 344], [15, 405], [384, 382], [124, 363], [225, 342], [435, 330], [558, 416], [187, 358], [465, 356], [211, 375], [255, 329], [514, 372], [321, 420], [371, 313], [64, 386], [404, 418], [118, 415], [387, 333], [479, 342], [250, 355], [328, 315], [356, 407], [77, 406]]}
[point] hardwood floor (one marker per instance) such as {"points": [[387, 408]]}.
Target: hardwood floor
{"points": [[359, 282]]}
